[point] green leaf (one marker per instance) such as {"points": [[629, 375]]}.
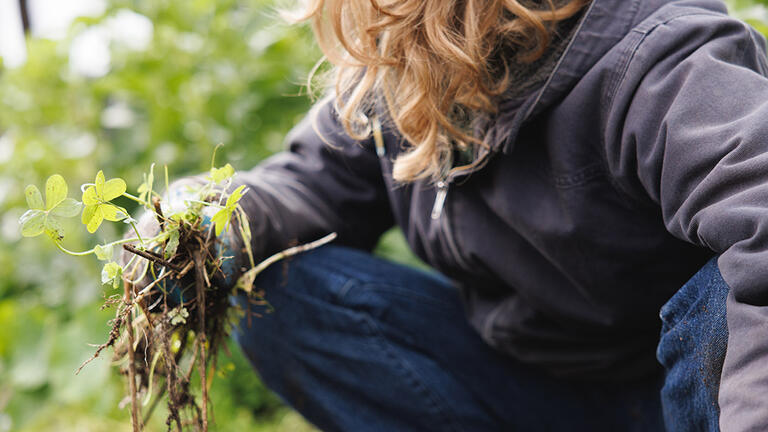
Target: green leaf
{"points": [[111, 213], [32, 223], [90, 197], [99, 183], [178, 315], [55, 191], [47, 219], [88, 212], [69, 207], [111, 273], [53, 227], [245, 227], [235, 196], [172, 245], [105, 252], [96, 199], [220, 174], [92, 218], [34, 199], [221, 218], [113, 189]]}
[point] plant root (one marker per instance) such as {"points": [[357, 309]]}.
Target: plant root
{"points": [[177, 340]]}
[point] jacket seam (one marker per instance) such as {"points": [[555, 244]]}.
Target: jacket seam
{"points": [[761, 63], [642, 35], [579, 178]]}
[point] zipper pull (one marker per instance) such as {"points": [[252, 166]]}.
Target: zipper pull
{"points": [[442, 192], [377, 138]]}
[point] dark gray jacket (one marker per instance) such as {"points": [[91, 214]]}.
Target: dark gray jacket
{"points": [[643, 154]]}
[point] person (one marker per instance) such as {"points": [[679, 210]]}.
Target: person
{"points": [[573, 170]]}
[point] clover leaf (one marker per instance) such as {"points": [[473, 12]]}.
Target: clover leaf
{"points": [[222, 217], [220, 174], [97, 197], [105, 252], [46, 217], [111, 273], [178, 315]]}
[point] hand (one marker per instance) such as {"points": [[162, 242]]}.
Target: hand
{"points": [[228, 246]]}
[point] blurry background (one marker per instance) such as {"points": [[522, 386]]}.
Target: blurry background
{"points": [[117, 85]]}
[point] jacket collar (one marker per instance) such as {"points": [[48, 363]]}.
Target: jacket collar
{"points": [[603, 25]]}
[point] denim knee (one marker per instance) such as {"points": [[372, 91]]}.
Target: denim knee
{"points": [[692, 348]]}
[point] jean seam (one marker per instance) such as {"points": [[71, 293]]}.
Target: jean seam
{"points": [[353, 282], [413, 380], [416, 384], [334, 267], [393, 290]]}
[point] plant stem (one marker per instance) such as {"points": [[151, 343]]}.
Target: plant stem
{"points": [[137, 199], [93, 250], [136, 230], [122, 241], [131, 361], [144, 254], [130, 219], [205, 203], [159, 213], [165, 167], [289, 252], [69, 252], [199, 260]]}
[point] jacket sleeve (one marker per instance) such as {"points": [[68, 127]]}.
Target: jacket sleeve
{"points": [[688, 127], [323, 182]]}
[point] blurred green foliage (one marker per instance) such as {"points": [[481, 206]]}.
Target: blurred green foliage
{"points": [[211, 72], [214, 71]]}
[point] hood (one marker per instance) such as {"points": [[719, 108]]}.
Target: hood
{"points": [[601, 27]]}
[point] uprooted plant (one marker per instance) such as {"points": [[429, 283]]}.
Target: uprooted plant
{"points": [[174, 312]]}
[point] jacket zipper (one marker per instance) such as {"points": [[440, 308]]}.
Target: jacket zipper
{"points": [[442, 193], [439, 204], [442, 189], [444, 184]]}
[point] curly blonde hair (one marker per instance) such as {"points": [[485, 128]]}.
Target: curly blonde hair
{"points": [[433, 64]]}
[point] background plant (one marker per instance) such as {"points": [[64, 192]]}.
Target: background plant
{"points": [[214, 71]]}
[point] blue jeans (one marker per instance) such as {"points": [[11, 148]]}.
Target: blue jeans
{"points": [[361, 344], [694, 337]]}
